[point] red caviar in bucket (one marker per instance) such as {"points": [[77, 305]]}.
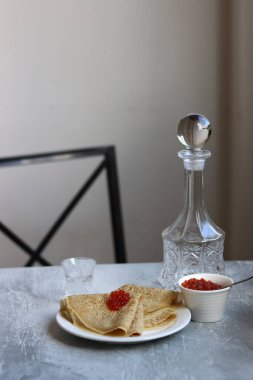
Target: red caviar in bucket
{"points": [[200, 284], [117, 299]]}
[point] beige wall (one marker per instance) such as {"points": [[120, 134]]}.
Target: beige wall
{"points": [[241, 153], [82, 73]]}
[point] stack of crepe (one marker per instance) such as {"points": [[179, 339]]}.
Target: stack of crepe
{"points": [[147, 308]]}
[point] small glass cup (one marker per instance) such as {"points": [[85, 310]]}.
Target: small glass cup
{"points": [[78, 275]]}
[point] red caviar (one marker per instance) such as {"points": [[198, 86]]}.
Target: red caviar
{"points": [[117, 299], [202, 284]]}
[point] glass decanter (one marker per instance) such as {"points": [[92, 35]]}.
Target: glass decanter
{"points": [[193, 243]]}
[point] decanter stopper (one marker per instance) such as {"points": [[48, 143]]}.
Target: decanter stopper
{"points": [[193, 131]]}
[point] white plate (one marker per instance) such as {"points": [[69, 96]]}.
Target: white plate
{"points": [[183, 318]]}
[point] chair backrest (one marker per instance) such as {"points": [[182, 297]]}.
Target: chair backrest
{"points": [[108, 163]]}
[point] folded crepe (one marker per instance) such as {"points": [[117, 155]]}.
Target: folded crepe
{"points": [[159, 305], [147, 308], [91, 311]]}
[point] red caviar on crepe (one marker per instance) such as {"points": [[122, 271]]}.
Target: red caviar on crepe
{"points": [[117, 299]]}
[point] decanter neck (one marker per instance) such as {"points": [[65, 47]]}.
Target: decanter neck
{"points": [[194, 163], [194, 190]]}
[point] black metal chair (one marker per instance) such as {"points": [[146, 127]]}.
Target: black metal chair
{"points": [[108, 163]]}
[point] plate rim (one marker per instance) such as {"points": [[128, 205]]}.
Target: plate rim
{"points": [[183, 320]]}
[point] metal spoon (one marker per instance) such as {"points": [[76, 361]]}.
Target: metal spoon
{"points": [[239, 282]]}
